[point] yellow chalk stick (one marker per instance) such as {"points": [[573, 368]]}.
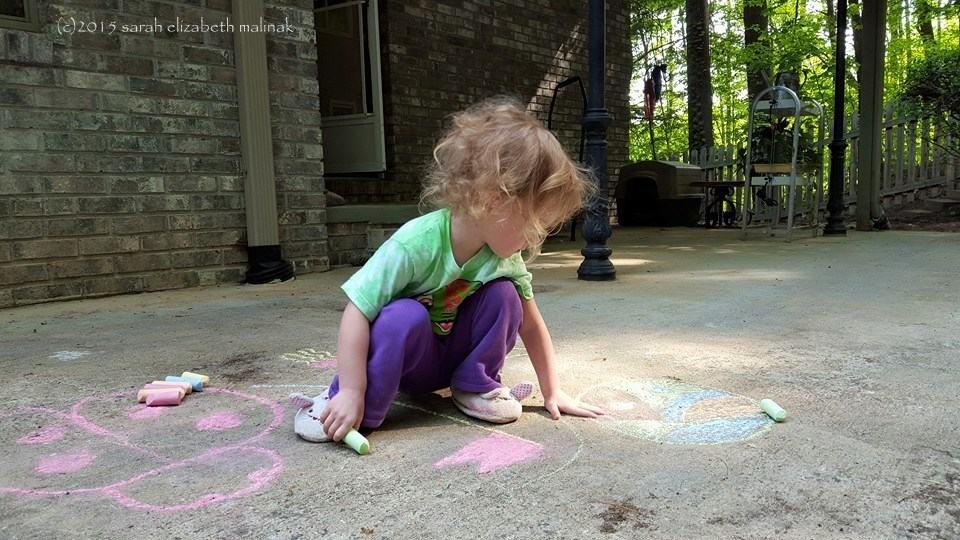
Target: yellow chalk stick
{"points": [[142, 394], [203, 378]]}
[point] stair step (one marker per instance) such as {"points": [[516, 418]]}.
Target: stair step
{"points": [[917, 212], [941, 203], [376, 236], [952, 194]]}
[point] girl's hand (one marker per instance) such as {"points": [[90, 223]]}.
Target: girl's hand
{"points": [[560, 402], [343, 411]]}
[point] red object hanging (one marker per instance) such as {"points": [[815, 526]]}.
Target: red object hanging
{"points": [[649, 99]]}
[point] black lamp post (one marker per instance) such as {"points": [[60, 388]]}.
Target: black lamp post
{"points": [[596, 265], [838, 146]]}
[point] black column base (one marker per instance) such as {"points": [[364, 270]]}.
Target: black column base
{"points": [[835, 227], [881, 223], [596, 265], [265, 265]]}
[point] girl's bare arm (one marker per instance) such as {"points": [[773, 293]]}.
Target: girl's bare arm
{"points": [[539, 346], [345, 410]]}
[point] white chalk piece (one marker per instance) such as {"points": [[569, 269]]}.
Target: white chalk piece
{"points": [[773, 410]]}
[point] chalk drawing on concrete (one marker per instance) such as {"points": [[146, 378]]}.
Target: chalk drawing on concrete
{"points": [[493, 452], [75, 442], [67, 356], [44, 435], [219, 421], [673, 412], [324, 364], [311, 357], [520, 447], [142, 412], [518, 450], [65, 463]]}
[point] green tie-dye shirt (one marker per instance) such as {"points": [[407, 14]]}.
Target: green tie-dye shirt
{"points": [[417, 262]]}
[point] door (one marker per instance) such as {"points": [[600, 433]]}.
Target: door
{"points": [[351, 101]]}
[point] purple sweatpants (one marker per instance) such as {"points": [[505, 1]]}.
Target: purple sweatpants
{"points": [[406, 356]]}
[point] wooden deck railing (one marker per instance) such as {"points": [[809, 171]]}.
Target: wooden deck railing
{"points": [[916, 154]]}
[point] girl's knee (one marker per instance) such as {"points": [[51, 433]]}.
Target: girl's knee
{"points": [[402, 315], [503, 289], [505, 293]]}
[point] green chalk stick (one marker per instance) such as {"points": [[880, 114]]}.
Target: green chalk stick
{"points": [[773, 410], [358, 442]]}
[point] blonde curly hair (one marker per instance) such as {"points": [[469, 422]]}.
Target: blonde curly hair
{"points": [[494, 147]]}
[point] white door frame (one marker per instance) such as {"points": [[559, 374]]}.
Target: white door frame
{"points": [[355, 143]]}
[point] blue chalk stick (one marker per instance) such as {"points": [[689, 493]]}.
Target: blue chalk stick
{"points": [[193, 380], [195, 383]]}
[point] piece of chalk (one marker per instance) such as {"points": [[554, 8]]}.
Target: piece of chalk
{"points": [[358, 442], [142, 394], [187, 387], [164, 397], [203, 378], [773, 410], [192, 379], [197, 385]]}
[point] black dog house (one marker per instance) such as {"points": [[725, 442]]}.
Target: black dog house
{"points": [[659, 193]]}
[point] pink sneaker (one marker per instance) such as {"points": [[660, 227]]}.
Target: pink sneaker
{"points": [[497, 406]]}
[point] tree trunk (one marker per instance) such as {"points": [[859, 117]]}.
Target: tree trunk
{"points": [[857, 23], [924, 12], [871, 116], [755, 32], [699, 82], [831, 21]]}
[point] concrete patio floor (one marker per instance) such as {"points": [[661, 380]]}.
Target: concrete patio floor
{"points": [[857, 338]]}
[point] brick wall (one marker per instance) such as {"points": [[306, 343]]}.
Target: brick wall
{"points": [[120, 168], [439, 57]]}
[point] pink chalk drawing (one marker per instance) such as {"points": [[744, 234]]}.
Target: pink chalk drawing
{"points": [[268, 461], [44, 435], [220, 421], [142, 412], [493, 452], [312, 358], [324, 364], [65, 463]]}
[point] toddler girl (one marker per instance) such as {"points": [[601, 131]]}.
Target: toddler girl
{"points": [[442, 301]]}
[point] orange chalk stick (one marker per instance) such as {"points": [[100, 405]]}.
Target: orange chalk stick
{"points": [[142, 394], [187, 387]]}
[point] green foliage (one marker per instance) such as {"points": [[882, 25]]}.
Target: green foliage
{"points": [[932, 88], [773, 143], [800, 40]]}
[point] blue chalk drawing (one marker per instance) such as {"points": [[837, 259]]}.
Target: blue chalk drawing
{"points": [[667, 402], [724, 430], [675, 411]]}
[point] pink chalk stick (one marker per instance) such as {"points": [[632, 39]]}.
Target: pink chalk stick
{"points": [[187, 387], [164, 397]]}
